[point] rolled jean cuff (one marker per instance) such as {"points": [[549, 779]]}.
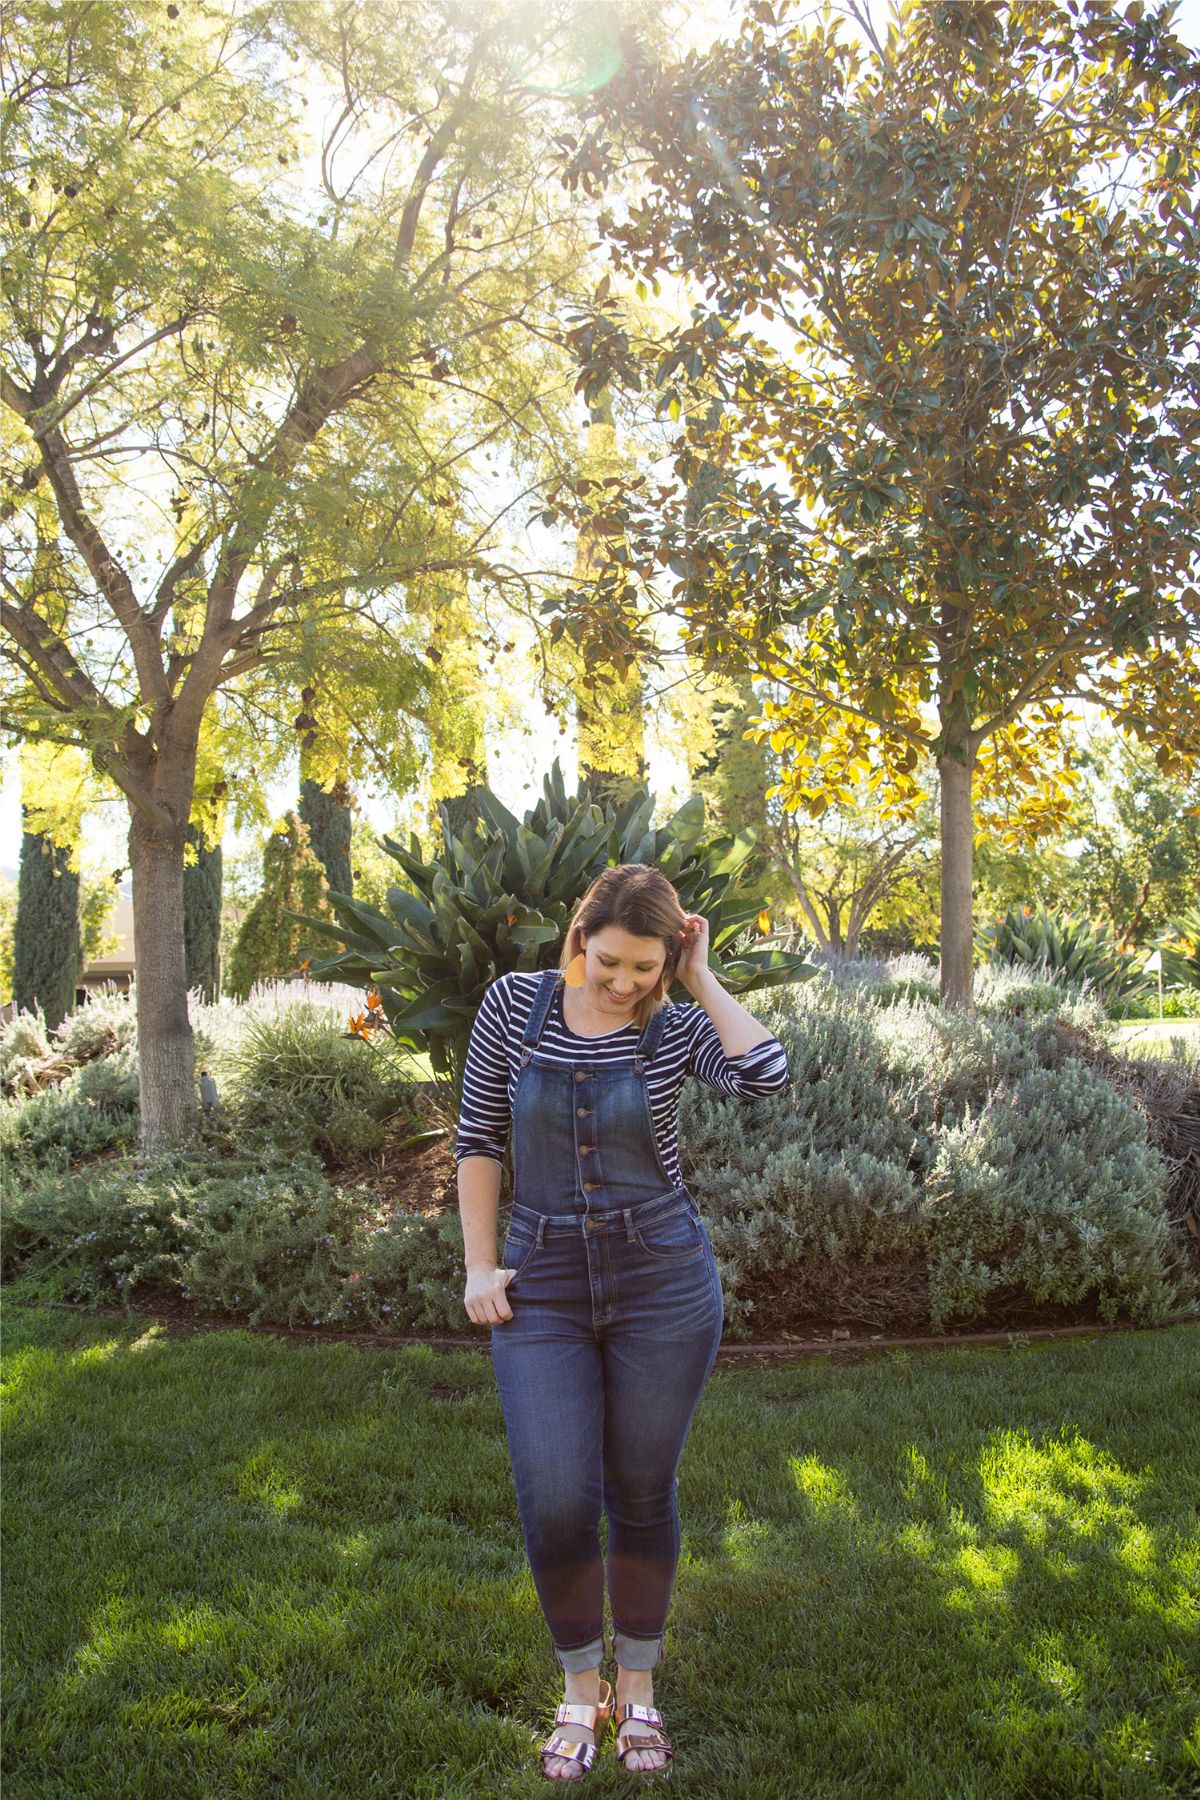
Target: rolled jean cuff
{"points": [[636, 1653], [587, 1656]]}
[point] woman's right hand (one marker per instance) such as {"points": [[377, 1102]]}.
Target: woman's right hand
{"points": [[484, 1298]]}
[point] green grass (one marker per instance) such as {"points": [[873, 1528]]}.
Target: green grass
{"points": [[1154, 1037], [237, 1565]]}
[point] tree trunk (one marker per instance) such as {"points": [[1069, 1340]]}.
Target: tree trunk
{"points": [[166, 1053], [957, 828]]}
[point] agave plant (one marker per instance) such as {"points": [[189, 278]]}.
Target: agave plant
{"points": [[1180, 947], [1076, 950], [500, 897]]}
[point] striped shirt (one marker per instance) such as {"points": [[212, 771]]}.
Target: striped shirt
{"points": [[690, 1046]]}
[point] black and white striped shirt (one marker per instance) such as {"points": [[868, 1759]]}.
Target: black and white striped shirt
{"points": [[690, 1046]]}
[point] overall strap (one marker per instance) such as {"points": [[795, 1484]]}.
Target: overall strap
{"points": [[651, 1038], [536, 1023]]}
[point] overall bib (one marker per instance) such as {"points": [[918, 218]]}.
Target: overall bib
{"points": [[617, 1317]]}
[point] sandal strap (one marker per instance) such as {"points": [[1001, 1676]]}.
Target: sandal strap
{"points": [[645, 1715], [627, 1744], [577, 1712], [571, 1750]]}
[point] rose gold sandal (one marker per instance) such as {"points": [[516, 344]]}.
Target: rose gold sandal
{"points": [[575, 1749], [645, 1715]]}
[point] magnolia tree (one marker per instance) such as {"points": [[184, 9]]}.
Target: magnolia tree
{"points": [[942, 353], [247, 368]]}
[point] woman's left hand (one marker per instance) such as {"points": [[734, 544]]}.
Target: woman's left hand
{"points": [[693, 957]]}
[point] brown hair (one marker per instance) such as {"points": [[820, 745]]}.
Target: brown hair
{"points": [[641, 901]]}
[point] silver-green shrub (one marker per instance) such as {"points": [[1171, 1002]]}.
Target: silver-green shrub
{"points": [[105, 1023], [273, 1245], [93, 1108], [1051, 1193], [24, 1041], [838, 1197]]}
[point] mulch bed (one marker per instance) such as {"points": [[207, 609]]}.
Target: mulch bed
{"points": [[835, 1342], [419, 1180]]}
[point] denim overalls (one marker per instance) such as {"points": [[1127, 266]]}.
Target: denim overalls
{"points": [[617, 1317]]}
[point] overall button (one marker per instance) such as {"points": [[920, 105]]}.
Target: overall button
{"points": [[589, 1185], [581, 1075], [590, 1224], [583, 1112], [586, 1149]]}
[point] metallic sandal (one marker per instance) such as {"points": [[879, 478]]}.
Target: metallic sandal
{"points": [[645, 1715], [574, 1749]]}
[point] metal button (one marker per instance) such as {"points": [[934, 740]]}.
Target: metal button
{"points": [[581, 1074], [589, 1185], [583, 1112], [589, 1224], [586, 1149]]}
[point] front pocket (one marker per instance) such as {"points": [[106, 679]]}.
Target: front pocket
{"points": [[519, 1247], [673, 1238]]}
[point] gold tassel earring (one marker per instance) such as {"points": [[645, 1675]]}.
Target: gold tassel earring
{"points": [[573, 974]]}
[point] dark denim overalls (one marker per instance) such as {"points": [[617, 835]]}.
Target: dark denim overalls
{"points": [[617, 1316]]}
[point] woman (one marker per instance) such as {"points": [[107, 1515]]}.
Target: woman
{"points": [[606, 1313]]}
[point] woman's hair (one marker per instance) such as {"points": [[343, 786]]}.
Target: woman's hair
{"points": [[640, 900]]}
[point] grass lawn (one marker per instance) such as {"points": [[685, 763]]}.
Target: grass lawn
{"points": [[1153, 1037], [241, 1566]]}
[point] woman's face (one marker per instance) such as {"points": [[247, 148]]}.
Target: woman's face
{"points": [[621, 969]]}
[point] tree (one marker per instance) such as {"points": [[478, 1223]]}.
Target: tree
{"points": [[202, 877], [610, 725], [844, 866], [46, 949], [1137, 862], [47, 942], [269, 943], [327, 814], [250, 404], [961, 475]]}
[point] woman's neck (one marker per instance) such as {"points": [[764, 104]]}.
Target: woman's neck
{"points": [[586, 1018]]}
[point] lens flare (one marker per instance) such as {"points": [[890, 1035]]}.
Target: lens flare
{"points": [[576, 57]]}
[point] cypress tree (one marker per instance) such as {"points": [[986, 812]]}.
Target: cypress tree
{"points": [[462, 810], [202, 916], [47, 955], [610, 712], [269, 945], [327, 817]]}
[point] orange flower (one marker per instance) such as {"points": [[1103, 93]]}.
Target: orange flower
{"points": [[374, 1000]]}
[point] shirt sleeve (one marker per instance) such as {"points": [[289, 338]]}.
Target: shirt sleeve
{"points": [[763, 1069], [485, 1117]]}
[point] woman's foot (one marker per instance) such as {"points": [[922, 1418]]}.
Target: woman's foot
{"points": [[636, 1687], [579, 1690]]}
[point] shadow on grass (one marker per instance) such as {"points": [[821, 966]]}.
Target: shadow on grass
{"points": [[239, 1566]]}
